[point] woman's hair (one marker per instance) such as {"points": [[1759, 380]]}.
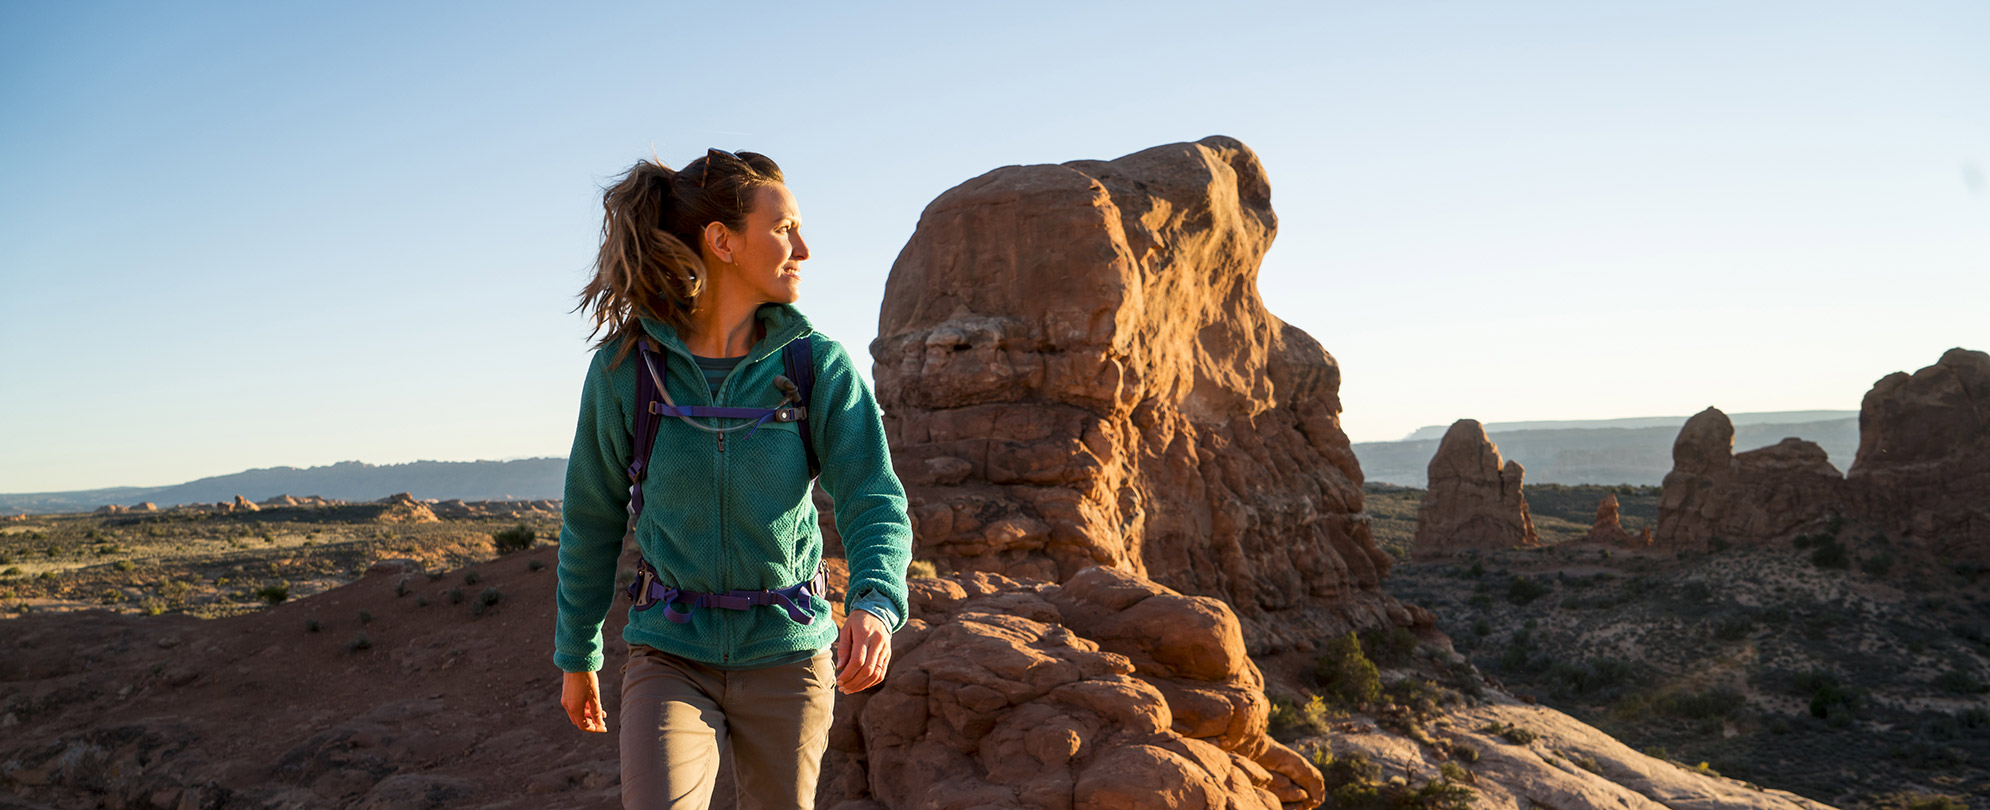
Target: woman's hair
{"points": [[652, 221]]}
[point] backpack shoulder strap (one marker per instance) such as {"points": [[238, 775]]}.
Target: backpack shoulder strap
{"points": [[647, 420], [799, 359]]}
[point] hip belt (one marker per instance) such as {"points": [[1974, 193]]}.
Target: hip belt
{"points": [[648, 591]]}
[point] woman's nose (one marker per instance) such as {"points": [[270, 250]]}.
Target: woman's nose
{"points": [[801, 247]]}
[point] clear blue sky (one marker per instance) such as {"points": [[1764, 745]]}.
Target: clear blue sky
{"points": [[260, 234]]}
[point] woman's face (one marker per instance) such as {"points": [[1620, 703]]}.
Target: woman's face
{"points": [[768, 253]]}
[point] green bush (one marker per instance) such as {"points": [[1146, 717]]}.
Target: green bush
{"points": [[1511, 733], [455, 596], [1705, 704], [470, 577], [1346, 674], [310, 625], [1831, 555], [1733, 627], [535, 565], [274, 594], [1522, 590], [1389, 647], [1878, 564], [516, 538], [485, 601], [922, 568], [359, 642], [1291, 719]]}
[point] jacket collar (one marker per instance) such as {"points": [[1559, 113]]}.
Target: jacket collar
{"points": [[784, 323]]}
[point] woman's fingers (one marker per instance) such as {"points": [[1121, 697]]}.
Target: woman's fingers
{"points": [[580, 695], [868, 656]]}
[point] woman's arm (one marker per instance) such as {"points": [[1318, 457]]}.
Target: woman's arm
{"points": [[594, 516], [856, 472]]}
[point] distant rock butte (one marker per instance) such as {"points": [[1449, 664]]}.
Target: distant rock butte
{"points": [[1760, 496], [1609, 527], [1474, 501], [1923, 469], [1076, 369], [1108, 691]]}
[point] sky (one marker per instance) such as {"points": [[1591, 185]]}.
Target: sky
{"points": [[292, 234]]}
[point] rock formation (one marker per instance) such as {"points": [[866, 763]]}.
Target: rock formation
{"points": [[1759, 496], [147, 506], [1076, 369], [1106, 692], [403, 508], [1474, 502], [245, 505], [281, 500], [1610, 529], [1923, 468]]}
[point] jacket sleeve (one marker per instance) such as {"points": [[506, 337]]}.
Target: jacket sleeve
{"points": [[594, 517], [848, 431]]}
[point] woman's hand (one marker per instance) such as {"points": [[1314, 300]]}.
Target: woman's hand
{"points": [[864, 648], [580, 694]]}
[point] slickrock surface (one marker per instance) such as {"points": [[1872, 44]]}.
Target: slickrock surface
{"points": [[1544, 772], [1077, 370], [1923, 467], [1609, 527], [1760, 496], [1106, 692], [1474, 502]]}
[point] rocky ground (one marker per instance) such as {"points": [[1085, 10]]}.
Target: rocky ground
{"points": [[1839, 666], [212, 564]]}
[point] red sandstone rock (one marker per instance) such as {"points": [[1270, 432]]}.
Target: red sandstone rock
{"points": [[1923, 468], [1076, 369], [244, 505], [1110, 691], [1474, 502], [1610, 529], [1759, 496]]}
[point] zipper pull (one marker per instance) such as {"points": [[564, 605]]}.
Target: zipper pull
{"points": [[722, 442]]}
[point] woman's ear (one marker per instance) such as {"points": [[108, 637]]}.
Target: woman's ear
{"points": [[718, 240]]}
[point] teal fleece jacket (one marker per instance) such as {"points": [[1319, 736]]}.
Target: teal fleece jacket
{"points": [[731, 513]]}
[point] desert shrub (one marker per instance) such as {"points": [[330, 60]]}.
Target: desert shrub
{"points": [[1514, 735], [125, 565], [455, 596], [1346, 674], [1585, 762], [310, 625], [1522, 590], [421, 601], [1704, 705], [1464, 753], [516, 538], [359, 642], [1831, 555], [1717, 544], [535, 565], [1477, 570], [485, 601], [1827, 695], [152, 607], [365, 617], [1482, 627], [1834, 525], [1480, 601], [470, 577], [1803, 541], [1733, 627], [1584, 677], [1292, 719], [1961, 682], [1915, 800], [175, 590], [922, 568], [401, 587], [274, 594], [1878, 564], [12, 571], [1389, 647]]}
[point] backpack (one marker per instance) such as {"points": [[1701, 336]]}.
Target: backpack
{"points": [[798, 360]]}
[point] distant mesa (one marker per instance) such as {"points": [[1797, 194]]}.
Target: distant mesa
{"points": [[1474, 501], [1609, 528], [1923, 468]]}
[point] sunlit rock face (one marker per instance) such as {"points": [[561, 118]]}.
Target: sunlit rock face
{"points": [[1923, 468], [1108, 691], [1076, 370], [1759, 496], [1473, 501]]}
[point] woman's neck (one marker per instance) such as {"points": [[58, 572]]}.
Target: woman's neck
{"points": [[725, 328]]}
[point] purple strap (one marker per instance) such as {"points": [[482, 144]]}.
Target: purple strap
{"points": [[760, 416], [648, 592]]}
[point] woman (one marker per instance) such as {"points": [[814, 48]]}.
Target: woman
{"points": [[694, 287]]}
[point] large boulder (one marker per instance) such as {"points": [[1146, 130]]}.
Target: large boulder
{"points": [[1076, 369], [1109, 691], [1923, 468], [1756, 497], [1473, 501]]}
